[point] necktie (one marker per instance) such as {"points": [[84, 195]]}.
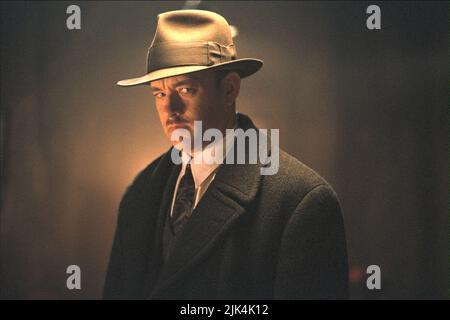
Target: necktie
{"points": [[184, 201]]}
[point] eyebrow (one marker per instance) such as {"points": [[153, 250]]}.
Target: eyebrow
{"points": [[178, 83]]}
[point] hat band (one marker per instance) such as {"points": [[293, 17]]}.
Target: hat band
{"points": [[203, 53]]}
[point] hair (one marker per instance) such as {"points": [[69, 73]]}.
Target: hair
{"points": [[220, 74]]}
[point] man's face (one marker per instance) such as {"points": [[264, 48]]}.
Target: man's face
{"points": [[181, 100]]}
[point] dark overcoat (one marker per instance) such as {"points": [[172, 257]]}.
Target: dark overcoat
{"points": [[251, 236]]}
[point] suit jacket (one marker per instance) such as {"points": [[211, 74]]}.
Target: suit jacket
{"points": [[251, 236]]}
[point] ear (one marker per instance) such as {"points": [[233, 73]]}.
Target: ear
{"points": [[231, 84]]}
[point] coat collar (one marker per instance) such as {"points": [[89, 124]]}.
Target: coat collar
{"points": [[226, 200]]}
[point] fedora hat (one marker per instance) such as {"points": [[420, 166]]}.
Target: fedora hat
{"points": [[187, 41]]}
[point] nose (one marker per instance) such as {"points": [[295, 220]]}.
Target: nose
{"points": [[174, 105]]}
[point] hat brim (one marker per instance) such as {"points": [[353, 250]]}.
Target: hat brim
{"points": [[244, 67]]}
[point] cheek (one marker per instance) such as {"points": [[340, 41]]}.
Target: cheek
{"points": [[201, 107], [214, 109], [159, 110], [162, 117], [192, 109]]}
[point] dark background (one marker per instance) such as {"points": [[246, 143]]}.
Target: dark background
{"points": [[366, 109]]}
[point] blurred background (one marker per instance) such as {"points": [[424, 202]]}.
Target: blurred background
{"points": [[366, 109]]}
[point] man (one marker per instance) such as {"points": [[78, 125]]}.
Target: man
{"points": [[198, 230]]}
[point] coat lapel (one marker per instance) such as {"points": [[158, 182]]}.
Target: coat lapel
{"points": [[232, 190], [167, 174]]}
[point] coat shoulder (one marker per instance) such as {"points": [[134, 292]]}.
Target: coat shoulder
{"points": [[294, 179], [137, 188]]}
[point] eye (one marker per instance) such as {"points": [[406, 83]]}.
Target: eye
{"points": [[186, 90], [158, 94]]}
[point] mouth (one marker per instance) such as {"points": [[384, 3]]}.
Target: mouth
{"points": [[174, 126]]}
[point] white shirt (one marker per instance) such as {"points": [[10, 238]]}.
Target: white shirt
{"points": [[203, 172]]}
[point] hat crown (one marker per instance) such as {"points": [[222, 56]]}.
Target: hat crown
{"points": [[191, 26], [188, 41]]}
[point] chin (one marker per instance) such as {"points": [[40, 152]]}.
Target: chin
{"points": [[171, 129]]}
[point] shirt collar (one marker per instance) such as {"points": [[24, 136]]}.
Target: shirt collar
{"points": [[201, 169]]}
